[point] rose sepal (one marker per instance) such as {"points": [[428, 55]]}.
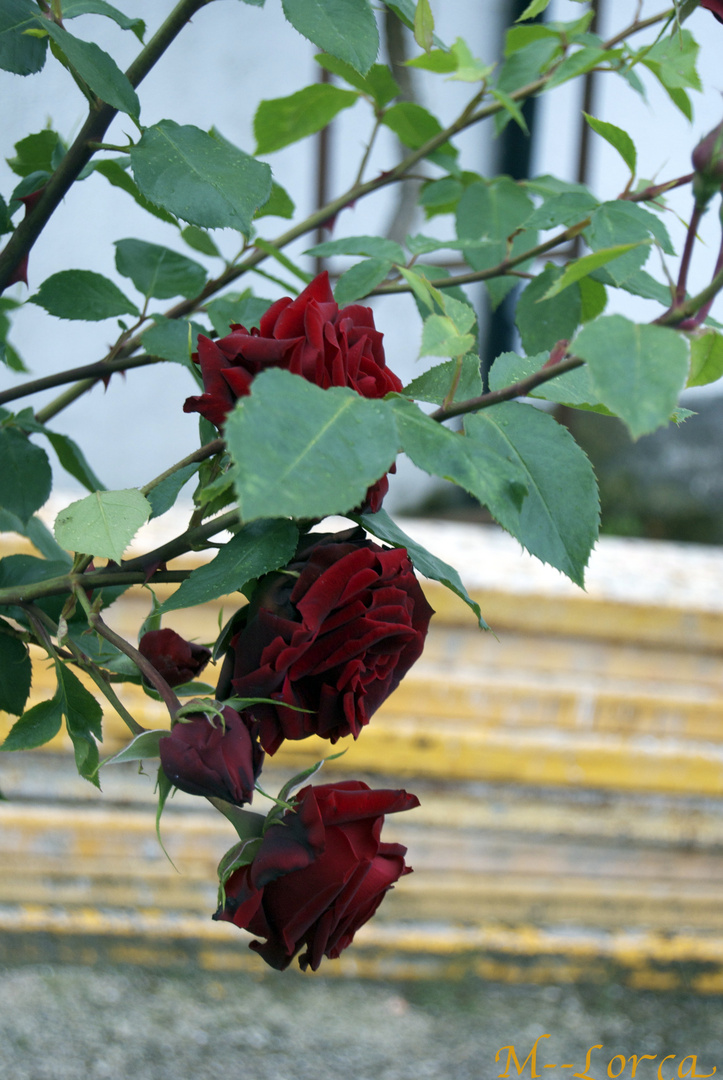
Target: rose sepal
{"points": [[283, 800], [241, 854], [142, 746], [247, 824]]}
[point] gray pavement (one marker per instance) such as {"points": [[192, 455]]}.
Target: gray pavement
{"points": [[74, 1023]]}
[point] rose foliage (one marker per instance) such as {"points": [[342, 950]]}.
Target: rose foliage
{"points": [[299, 409]]}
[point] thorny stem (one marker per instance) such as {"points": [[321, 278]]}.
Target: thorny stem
{"points": [[501, 269], [99, 119], [144, 666], [702, 314], [207, 451], [687, 252], [358, 190], [648, 194], [367, 152], [133, 572], [101, 369], [518, 389], [86, 664]]}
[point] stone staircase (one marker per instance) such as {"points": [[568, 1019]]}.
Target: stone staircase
{"points": [[569, 766]]}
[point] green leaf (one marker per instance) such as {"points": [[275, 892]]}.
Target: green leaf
{"points": [[438, 60], [580, 268], [164, 495], [440, 337], [375, 247], [511, 107], [73, 8], [140, 748], [492, 477], [706, 358], [414, 126], [35, 153], [83, 717], [542, 322], [359, 280], [637, 371], [35, 727], [532, 9], [173, 339], [103, 523], [524, 65], [382, 526], [283, 121], [241, 308], [436, 383], [558, 520], [566, 208], [115, 174], [158, 271], [378, 84], [612, 224], [96, 68], [15, 672], [423, 25], [494, 211], [673, 61], [73, 460], [84, 295], [345, 28], [278, 204], [305, 452], [469, 68], [618, 138], [199, 240], [257, 549], [594, 298], [199, 178], [25, 474], [20, 52], [580, 62], [38, 534]]}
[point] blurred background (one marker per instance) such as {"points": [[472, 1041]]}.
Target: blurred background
{"points": [[666, 486], [568, 874]]}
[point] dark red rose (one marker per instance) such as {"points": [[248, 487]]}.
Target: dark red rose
{"points": [[177, 660], [319, 875], [333, 634], [716, 6], [308, 336], [209, 757]]}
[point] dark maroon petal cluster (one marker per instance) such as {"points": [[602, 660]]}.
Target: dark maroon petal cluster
{"points": [[177, 660], [332, 635], [310, 336], [319, 875], [209, 757]]}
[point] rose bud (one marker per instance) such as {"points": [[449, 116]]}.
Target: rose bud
{"points": [[319, 874], [212, 757], [177, 660], [708, 165], [309, 336], [332, 635]]}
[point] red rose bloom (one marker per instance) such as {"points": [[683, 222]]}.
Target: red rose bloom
{"points": [[177, 660], [308, 336], [319, 874], [219, 759], [334, 634], [716, 6]]}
